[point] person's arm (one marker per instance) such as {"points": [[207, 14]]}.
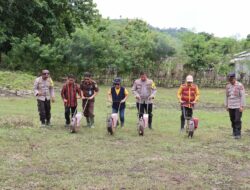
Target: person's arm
{"points": [[109, 95], [51, 90], [78, 91], [179, 93], [226, 98], [197, 94], [36, 91], [242, 98], [82, 94], [135, 93], [96, 90], [126, 96], [153, 91], [63, 94]]}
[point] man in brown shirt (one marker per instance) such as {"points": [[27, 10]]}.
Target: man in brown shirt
{"points": [[89, 90]]}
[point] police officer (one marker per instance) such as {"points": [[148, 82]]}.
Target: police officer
{"points": [[44, 92], [235, 102], [89, 90], [144, 90]]}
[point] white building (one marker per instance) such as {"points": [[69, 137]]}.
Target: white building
{"points": [[241, 62]]}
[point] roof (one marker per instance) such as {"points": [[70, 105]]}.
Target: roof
{"points": [[245, 55]]}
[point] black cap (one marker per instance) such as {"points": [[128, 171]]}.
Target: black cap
{"points": [[231, 75], [87, 74], [117, 81]]}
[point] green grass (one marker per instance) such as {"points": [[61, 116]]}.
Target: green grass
{"points": [[34, 158], [16, 80]]}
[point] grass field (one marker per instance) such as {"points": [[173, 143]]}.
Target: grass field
{"points": [[35, 158]]}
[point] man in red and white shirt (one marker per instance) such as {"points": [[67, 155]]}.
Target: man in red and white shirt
{"points": [[69, 94]]}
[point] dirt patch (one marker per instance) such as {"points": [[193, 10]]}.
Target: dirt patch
{"points": [[5, 92], [17, 122]]}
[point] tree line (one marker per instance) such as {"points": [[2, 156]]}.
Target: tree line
{"points": [[70, 36]]}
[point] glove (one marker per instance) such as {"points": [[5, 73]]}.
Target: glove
{"points": [[138, 97]]}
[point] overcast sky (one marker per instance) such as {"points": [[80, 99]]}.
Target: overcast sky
{"points": [[223, 18]]}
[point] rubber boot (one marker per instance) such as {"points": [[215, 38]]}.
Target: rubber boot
{"points": [[182, 124], [88, 122], [92, 122]]}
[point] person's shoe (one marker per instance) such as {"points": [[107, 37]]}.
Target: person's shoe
{"points": [[150, 126], [67, 125], [42, 125], [92, 126], [237, 137], [48, 123], [122, 125], [182, 130]]}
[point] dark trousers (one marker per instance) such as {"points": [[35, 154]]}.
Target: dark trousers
{"points": [[68, 111], [44, 110], [235, 117], [89, 110], [185, 113], [143, 108]]}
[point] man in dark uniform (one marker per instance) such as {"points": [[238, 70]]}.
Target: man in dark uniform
{"points": [[89, 90]]}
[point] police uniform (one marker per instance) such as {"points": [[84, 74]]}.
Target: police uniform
{"points": [[144, 90], [44, 90]]}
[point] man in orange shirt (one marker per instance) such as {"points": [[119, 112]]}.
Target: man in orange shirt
{"points": [[188, 94]]}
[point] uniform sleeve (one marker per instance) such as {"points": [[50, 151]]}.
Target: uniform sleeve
{"points": [[243, 96], [134, 88], [197, 94], [154, 90], [226, 98], [96, 88], [179, 93], [51, 82], [51, 89], [36, 87]]}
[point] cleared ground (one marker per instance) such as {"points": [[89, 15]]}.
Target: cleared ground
{"points": [[35, 158]]}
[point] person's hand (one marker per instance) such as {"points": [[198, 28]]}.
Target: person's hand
{"points": [[39, 93], [181, 102], [83, 97], [194, 102], [227, 108], [123, 100], [91, 97], [53, 99], [137, 97], [65, 100], [241, 109], [78, 97], [151, 97]]}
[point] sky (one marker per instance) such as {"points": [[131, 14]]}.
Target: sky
{"points": [[223, 18]]}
